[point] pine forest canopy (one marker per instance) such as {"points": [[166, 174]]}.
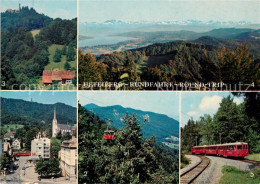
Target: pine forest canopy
{"points": [[205, 59]]}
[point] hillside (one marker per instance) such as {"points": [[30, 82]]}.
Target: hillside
{"points": [[205, 59], [26, 17], [16, 111], [25, 48], [158, 125]]}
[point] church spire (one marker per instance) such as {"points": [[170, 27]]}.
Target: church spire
{"points": [[54, 116]]}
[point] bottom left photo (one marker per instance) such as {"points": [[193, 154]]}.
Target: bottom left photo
{"points": [[38, 138]]}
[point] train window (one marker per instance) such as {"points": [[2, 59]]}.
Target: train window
{"points": [[239, 147]]}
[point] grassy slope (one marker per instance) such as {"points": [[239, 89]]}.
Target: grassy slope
{"points": [[233, 175], [35, 32], [255, 156], [13, 126], [59, 65]]}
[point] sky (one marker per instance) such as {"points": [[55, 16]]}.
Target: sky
{"points": [[45, 97], [194, 104], [169, 10], [65, 9], [159, 102]]}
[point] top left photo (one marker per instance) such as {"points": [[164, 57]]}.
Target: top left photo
{"points": [[38, 45]]}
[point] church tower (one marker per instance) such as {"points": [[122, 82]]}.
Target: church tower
{"points": [[54, 124]]}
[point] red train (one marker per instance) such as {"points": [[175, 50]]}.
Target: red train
{"points": [[21, 154], [237, 149]]}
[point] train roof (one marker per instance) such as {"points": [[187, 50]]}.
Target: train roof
{"points": [[234, 143], [226, 144]]}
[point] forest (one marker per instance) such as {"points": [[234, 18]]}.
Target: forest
{"points": [[24, 55], [129, 158], [231, 123], [34, 113], [206, 59]]}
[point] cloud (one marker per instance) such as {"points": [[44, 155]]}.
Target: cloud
{"points": [[192, 113], [210, 105]]}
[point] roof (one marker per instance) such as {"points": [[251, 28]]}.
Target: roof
{"points": [[9, 134], [64, 127], [72, 143], [56, 75], [226, 144]]}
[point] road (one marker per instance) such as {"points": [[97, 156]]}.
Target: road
{"points": [[25, 174]]}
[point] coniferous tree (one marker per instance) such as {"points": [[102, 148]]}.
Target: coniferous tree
{"points": [[57, 55]]}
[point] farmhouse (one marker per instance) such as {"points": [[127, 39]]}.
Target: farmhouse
{"points": [[62, 77]]}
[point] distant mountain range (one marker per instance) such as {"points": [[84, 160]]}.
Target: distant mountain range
{"points": [[175, 22], [163, 127], [14, 111]]}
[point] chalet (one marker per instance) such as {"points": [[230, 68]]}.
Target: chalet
{"points": [[62, 77]]}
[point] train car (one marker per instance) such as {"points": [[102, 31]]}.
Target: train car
{"points": [[237, 149], [21, 154], [197, 150], [211, 150]]}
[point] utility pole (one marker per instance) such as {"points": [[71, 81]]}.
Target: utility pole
{"points": [[220, 137]]}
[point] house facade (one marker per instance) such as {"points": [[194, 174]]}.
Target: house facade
{"points": [[68, 158], [61, 77], [40, 148]]}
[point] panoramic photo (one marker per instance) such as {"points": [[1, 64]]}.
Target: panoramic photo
{"points": [[38, 139], [38, 45], [128, 137], [220, 138], [137, 44]]}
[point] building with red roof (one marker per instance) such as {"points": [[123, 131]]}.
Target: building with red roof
{"points": [[63, 77]]}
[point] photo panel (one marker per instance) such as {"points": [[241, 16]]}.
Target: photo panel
{"points": [[38, 137], [220, 137], [128, 137], [169, 45], [39, 45]]}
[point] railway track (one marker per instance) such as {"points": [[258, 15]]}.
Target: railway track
{"points": [[190, 175], [254, 162]]}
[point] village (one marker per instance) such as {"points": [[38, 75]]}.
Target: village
{"points": [[50, 159]]}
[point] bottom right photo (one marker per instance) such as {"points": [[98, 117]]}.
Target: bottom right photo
{"points": [[220, 137]]}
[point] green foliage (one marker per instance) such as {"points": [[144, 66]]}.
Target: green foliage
{"points": [[64, 50], [255, 156], [71, 53], [59, 135], [179, 61], [184, 160], [233, 175], [5, 161], [33, 113], [48, 168], [67, 66], [57, 55], [24, 57], [129, 158], [55, 147], [29, 136], [27, 18]]}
